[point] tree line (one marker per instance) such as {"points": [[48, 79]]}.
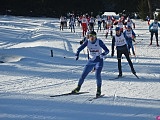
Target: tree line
{"points": [[55, 8]]}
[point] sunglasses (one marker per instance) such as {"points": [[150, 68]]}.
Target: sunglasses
{"points": [[91, 35]]}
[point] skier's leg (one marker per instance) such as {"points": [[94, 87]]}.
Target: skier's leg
{"points": [[156, 34], [98, 76], [130, 62], [119, 55], [74, 28], [129, 46], [151, 37], [132, 49], [99, 67], [88, 68], [83, 31]]}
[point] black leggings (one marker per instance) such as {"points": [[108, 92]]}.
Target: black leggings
{"points": [[156, 35], [119, 56]]}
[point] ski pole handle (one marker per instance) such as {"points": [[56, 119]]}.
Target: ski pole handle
{"points": [[51, 53]]}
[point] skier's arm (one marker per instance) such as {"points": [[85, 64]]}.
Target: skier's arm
{"points": [[150, 26], [82, 47], [133, 34], [106, 50], [124, 33], [133, 24], [83, 40]]}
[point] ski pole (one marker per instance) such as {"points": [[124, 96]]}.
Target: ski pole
{"points": [[51, 53]]}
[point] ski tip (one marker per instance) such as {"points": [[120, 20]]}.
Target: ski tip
{"points": [[136, 76], [100, 96], [1, 61], [96, 97]]}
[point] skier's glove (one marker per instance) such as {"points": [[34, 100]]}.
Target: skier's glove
{"points": [[77, 56], [81, 42], [112, 55], [133, 40], [102, 55]]}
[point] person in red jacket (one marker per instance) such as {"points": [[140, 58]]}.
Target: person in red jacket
{"points": [[84, 24]]}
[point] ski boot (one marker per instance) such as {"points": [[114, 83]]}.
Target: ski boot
{"points": [[120, 74], [76, 90], [98, 92]]}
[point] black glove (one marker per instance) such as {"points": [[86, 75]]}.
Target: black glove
{"points": [[77, 56], [102, 55], [112, 55], [81, 42], [133, 40]]}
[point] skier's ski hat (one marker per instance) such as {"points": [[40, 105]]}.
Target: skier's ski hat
{"points": [[93, 33], [128, 26], [117, 28]]}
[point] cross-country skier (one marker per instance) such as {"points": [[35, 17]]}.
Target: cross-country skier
{"points": [[72, 23], [120, 23], [96, 55], [62, 22], [129, 22], [148, 20], [109, 26], [153, 28], [84, 23], [121, 45], [129, 34], [91, 23], [99, 22]]}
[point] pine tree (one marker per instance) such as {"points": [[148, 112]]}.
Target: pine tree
{"points": [[143, 9]]}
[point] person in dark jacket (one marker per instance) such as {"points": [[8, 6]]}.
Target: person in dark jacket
{"points": [[121, 45]]}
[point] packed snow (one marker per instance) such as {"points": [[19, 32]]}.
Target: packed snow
{"points": [[29, 75]]}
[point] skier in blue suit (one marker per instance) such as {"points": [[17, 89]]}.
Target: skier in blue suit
{"points": [[95, 47], [153, 28], [129, 34]]}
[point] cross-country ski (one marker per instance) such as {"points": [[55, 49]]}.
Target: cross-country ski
{"points": [[97, 97], [66, 94]]}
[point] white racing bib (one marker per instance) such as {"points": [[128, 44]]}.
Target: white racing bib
{"points": [[155, 26], [94, 49], [120, 40], [129, 33]]}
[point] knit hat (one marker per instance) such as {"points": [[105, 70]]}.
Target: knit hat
{"points": [[117, 28], [93, 33]]}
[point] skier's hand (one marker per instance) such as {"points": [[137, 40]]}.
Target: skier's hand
{"points": [[112, 55], [133, 40], [81, 42], [77, 56], [102, 55]]}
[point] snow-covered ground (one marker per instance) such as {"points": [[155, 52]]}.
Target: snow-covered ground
{"points": [[29, 75]]}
